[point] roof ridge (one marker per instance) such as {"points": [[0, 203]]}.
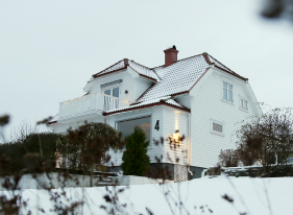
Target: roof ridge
{"points": [[220, 62], [226, 68], [146, 68], [140, 64], [178, 61]]}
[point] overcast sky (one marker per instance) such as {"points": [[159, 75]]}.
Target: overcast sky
{"points": [[49, 49]]}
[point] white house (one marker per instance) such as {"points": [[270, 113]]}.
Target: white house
{"points": [[198, 96]]}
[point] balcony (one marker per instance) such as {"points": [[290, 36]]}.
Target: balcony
{"points": [[90, 104]]}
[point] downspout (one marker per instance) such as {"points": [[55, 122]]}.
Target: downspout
{"points": [[189, 144]]}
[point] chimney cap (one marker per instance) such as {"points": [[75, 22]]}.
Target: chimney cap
{"points": [[172, 47]]}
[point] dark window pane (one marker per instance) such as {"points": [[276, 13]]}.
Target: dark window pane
{"points": [[107, 92], [127, 127], [230, 96], [225, 94], [225, 85], [217, 127], [116, 92]]}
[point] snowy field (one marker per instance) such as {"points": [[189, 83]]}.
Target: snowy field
{"points": [[200, 196]]}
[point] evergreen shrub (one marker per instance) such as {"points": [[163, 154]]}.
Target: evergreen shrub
{"points": [[135, 158]]}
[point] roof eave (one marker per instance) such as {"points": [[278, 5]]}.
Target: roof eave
{"points": [[147, 106], [117, 70]]}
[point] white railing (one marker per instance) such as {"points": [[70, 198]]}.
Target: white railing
{"points": [[91, 103]]}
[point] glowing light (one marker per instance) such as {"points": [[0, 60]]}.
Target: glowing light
{"points": [[176, 136]]}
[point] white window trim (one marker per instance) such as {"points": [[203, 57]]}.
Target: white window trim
{"points": [[137, 116], [222, 90], [216, 132], [240, 106], [111, 88]]}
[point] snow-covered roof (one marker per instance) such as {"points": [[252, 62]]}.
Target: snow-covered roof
{"points": [[115, 67], [222, 66], [178, 77], [143, 70], [123, 64], [167, 100]]}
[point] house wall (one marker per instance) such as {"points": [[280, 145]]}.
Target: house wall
{"points": [[175, 119], [141, 85], [185, 100], [208, 106]]}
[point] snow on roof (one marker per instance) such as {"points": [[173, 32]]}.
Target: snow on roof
{"points": [[222, 66], [143, 70], [178, 77], [167, 100], [117, 66], [122, 64]]}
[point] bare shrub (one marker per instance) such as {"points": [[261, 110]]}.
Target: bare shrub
{"points": [[228, 158]]}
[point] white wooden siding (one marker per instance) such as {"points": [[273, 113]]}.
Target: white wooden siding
{"points": [[207, 105], [184, 100], [141, 85]]}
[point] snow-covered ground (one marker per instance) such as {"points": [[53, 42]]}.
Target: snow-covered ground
{"points": [[251, 195]]}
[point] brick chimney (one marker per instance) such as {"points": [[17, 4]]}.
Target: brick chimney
{"points": [[170, 56]]}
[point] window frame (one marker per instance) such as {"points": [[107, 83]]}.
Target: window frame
{"points": [[139, 116], [227, 88], [212, 121], [243, 101], [111, 87], [241, 98]]}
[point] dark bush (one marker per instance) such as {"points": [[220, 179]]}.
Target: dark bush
{"points": [[135, 158], [282, 170]]}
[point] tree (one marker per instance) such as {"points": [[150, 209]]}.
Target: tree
{"points": [[87, 146], [269, 140], [228, 158], [135, 158]]}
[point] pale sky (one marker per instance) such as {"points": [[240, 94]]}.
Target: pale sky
{"points": [[49, 49]]}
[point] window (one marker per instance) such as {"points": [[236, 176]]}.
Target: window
{"points": [[227, 91], [127, 126], [217, 127], [243, 104], [112, 92]]}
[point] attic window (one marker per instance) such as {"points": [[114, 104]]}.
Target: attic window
{"points": [[217, 127], [227, 91], [243, 104]]}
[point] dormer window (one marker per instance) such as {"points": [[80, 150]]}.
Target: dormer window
{"points": [[112, 92], [227, 92]]}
